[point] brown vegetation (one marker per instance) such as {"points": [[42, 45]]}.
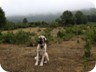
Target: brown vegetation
{"points": [[64, 57]]}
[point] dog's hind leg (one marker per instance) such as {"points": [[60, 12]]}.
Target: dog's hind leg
{"points": [[46, 57], [35, 57]]}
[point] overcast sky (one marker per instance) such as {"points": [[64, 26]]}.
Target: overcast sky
{"points": [[27, 7]]}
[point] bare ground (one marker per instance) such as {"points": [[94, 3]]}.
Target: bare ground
{"points": [[64, 57]]}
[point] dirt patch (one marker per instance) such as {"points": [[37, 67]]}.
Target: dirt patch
{"points": [[64, 57]]}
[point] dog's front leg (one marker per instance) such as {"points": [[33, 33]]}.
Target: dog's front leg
{"points": [[37, 60], [37, 57], [42, 60]]}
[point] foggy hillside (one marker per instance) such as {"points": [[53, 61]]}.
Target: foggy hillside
{"points": [[46, 17], [31, 18]]}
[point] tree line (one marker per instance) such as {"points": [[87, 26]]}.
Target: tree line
{"points": [[67, 18]]}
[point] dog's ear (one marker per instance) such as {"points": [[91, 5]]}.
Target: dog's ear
{"points": [[45, 39], [38, 40]]}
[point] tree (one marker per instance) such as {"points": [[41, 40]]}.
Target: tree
{"points": [[67, 18], [91, 18], [85, 19], [80, 18], [2, 18], [25, 20]]}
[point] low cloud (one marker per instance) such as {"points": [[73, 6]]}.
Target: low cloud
{"points": [[27, 7]]}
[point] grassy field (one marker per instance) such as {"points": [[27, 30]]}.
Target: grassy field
{"points": [[65, 56], [36, 30]]}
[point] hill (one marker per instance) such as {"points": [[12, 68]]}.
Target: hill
{"points": [[46, 17], [32, 18]]}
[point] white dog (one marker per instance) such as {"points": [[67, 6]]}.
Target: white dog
{"points": [[42, 54]]}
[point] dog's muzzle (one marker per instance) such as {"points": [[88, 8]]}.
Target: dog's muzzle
{"points": [[42, 46]]}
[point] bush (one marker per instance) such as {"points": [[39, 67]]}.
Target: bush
{"points": [[87, 49], [54, 25], [22, 37], [39, 30], [48, 30], [60, 34], [94, 35], [64, 35], [89, 36], [47, 34], [8, 38], [74, 30], [35, 40], [1, 40]]}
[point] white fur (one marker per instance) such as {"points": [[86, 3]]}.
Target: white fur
{"points": [[44, 55]]}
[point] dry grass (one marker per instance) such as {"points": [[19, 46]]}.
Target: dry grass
{"points": [[35, 30], [64, 57]]}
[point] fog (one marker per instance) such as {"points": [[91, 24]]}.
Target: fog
{"points": [[28, 7]]}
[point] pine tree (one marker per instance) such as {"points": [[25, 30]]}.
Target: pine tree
{"points": [[67, 18], [2, 18], [80, 18], [25, 20]]}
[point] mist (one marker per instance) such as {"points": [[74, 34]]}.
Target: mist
{"points": [[35, 7]]}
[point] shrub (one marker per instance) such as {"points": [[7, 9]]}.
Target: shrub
{"points": [[89, 36], [48, 30], [1, 40], [94, 35], [19, 37], [35, 40], [22, 37], [39, 30], [74, 30], [54, 25], [8, 38], [47, 34], [68, 36], [64, 35], [87, 48], [60, 34]]}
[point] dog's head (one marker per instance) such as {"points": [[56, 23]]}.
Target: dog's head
{"points": [[42, 39]]}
